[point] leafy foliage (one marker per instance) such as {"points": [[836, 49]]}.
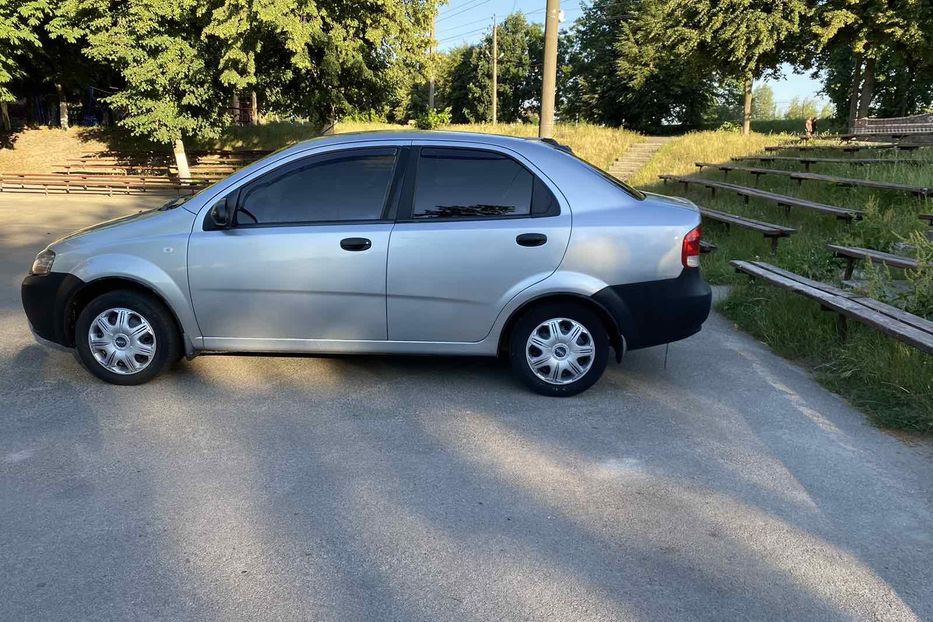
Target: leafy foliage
{"points": [[466, 82], [763, 104], [433, 119], [893, 39], [19, 36], [609, 79], [170, 88]]}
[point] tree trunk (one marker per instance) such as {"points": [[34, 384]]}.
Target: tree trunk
{"points": [[905, 105], [854, 92], [62, 107], [253, 109], [235, 104], [868, 88], [5, 113], [747, 110], [181, 160]]}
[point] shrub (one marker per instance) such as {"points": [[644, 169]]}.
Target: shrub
{"points": [[432, 119]]}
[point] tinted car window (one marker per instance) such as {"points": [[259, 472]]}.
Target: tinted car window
{"points": [[470, 183], [347, 186]]}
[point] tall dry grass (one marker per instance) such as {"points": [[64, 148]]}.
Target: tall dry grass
{"points": [[594, 143], [597, 144]]}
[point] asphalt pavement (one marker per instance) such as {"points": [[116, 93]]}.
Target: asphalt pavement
{"points": [[728, 486]]}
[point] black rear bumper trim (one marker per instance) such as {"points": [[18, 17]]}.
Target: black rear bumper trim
{"points": [[657, 312]]}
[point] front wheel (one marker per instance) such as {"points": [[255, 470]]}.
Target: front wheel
{"points": [[126, 337], [559, 349]]}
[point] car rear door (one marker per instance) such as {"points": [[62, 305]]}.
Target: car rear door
{"points": [[306, 257], [477, 226]]}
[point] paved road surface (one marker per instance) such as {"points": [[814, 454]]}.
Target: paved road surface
{"points": [[729, 486]]}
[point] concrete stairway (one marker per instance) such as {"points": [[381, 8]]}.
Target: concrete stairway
{"points": [[636, 156]]}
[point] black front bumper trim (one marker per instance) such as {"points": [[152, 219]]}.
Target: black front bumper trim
{"points": [[46, 300]]}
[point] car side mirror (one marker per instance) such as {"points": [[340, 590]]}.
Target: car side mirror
{"points": [[221, 213]]}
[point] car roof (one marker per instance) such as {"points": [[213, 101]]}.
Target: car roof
{"points": [[514, 142]]}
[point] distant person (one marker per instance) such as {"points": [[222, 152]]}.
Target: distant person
{"points": [[810, 125]]}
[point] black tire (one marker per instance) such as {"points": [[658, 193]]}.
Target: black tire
{"points": [[532, 320], [166, 338]]}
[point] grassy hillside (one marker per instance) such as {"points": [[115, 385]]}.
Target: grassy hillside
{"points": [[889, 380], [40, 150], [597, 144]]}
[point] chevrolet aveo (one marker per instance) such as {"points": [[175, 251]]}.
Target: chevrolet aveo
{"points": [[384, 243]]}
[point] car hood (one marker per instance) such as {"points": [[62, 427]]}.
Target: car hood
{"points": [[131, 225]]}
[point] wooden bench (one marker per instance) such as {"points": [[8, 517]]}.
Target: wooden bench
{"points": [[921, 191], [770, 231], [903, 326], [197, 153], [93, 183], [782, 200], [141, 172], [927, 217], [917, 124], [854, 253], [846, 148], [807, 162]]}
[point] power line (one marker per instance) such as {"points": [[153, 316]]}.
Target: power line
{"points": [[449, 9], [475, 3], [464, 9], [475, 21], [463, 34]]}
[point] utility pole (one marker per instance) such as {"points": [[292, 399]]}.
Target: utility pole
{"points": [[431, 61], [495, 69], [549, 77]]}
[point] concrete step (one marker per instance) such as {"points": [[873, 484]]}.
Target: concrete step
{"points": [[636, 156]]}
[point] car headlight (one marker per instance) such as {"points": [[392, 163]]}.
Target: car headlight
{"points": [[43, 262]]}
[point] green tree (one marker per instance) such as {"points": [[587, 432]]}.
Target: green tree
{"points": [[863, 43], [19, 37], [611, 80], [521, 50], [763, 105], [170, 90], [465, 74], [466, 86], [801, 108], [741, 39], [329, 57]]}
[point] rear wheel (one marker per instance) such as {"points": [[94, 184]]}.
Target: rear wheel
{"points": [[126, 337], [559, 349]]}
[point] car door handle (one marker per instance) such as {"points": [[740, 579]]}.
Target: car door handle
{"points": [[531, 239], [355, 244]]}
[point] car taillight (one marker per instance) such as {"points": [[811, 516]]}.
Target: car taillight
{"points": [[690, 253]]}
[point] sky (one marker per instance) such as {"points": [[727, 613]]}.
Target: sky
{"points": [[466, 21]]}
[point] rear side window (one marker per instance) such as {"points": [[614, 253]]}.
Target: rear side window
{"points": [[615, 181], [470, 183], [345, 186]]}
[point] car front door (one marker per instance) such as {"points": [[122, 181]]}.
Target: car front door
{"points": [[305, 257], [476, 228]]}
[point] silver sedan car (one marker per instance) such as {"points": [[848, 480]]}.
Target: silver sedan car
{"points": [[388, 243]]}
